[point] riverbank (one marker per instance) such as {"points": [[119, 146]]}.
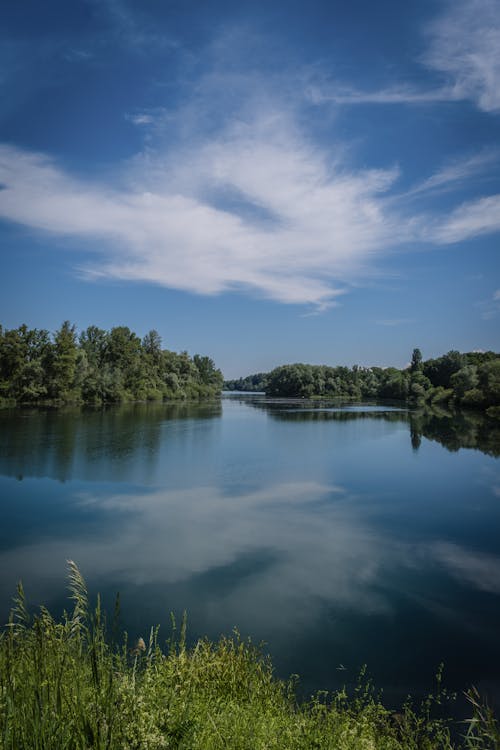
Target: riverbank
{"points": [[66, 685], [468, 380]]}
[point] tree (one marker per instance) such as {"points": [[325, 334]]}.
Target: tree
{"points": [[291, 380], [440, 370], [416, 361], [394, 384], [151, 343], [24, 357], [99, 367], [419, 386], [125, 365], [208, 373], [464, 380], [94, 342], [63, 363], [489, 381]]}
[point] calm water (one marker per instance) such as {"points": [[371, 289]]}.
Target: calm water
{"points": [[339, 536]]}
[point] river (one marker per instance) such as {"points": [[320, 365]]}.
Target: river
{"points": [[339, 535]]}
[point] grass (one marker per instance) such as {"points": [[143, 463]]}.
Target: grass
{"points": [[65, 685]]}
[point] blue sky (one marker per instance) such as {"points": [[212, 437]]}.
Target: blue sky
{"points": [[263, 182]]}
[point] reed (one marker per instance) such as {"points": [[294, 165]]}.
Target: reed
{"points": [[64, 685]]}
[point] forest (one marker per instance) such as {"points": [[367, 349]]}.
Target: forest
{"points": [[470, 380], [98, 367]]}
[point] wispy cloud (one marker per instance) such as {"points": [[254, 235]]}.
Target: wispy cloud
{"points": [[340, 94], [471, 219], [239, 197], [462, 46], [257, 208], [254, 207], [490, 307], [140, 118], [454, 174], [129, 25]]}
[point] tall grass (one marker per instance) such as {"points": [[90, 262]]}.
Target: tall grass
{"points": [[66, 685]]}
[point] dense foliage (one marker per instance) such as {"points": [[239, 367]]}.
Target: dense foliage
{"points": [[469, 380], [252, 383], [65, 686], [98, 367]]}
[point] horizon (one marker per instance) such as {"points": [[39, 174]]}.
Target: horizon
{"points": [[262, 185]]}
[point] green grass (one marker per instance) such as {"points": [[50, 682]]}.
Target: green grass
{"points": [[64, 684]]}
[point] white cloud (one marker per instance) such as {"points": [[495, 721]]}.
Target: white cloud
{"points": [[142, 118], [471, 219], [338, 94], [454, 174], [462, 46], [465, 44], [256, 208]]}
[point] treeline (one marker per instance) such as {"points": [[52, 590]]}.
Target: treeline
{"points": [[468, 380], [98, 367], [251, 383]]}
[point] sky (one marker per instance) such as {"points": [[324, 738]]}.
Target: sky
{"points": [[260, 181]]}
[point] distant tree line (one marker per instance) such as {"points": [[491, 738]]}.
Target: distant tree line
{"points": [[98, 367], [251, 383], [467, 380]]}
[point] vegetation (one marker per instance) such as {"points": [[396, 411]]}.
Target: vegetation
{"points": [[98, 367], [251, 383], [65, 685], [465, 429], [467, 380]]}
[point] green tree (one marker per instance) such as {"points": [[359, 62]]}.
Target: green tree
{"points": [[291, 380], [24, 355], [394, 385], [125, 369], [489, 381], [208, 373], [464, 380], [416, 361], [63, 363], [151, 343], [94, 343], [440, 370], [419, 386]]}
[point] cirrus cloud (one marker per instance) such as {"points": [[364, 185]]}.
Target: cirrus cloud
{"points": [[462, 47], [256, 207]]}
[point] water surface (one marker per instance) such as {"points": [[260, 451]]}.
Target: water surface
{"points": [[339, 535]]}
